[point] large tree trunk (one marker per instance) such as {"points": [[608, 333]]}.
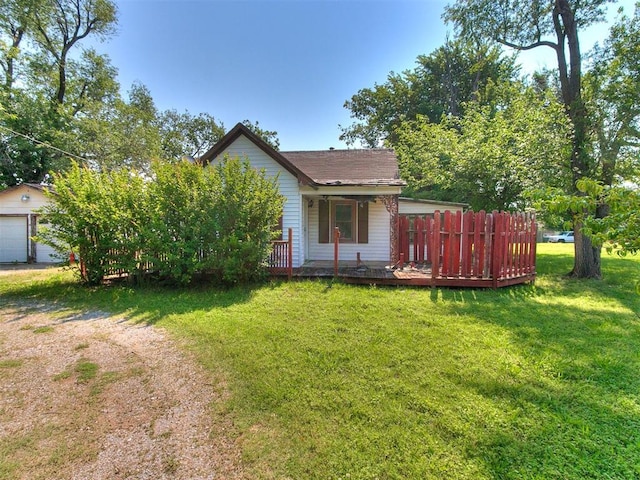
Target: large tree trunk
{"points": [[587, 257]]}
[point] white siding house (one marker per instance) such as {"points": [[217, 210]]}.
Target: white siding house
{"points": [[354, 190], [288, 183]]}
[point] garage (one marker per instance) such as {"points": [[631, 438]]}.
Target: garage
{"points": [[19, 222], [14, 239]]}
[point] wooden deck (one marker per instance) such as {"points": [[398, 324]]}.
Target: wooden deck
{"points": [[471, 250], [380, 273]]}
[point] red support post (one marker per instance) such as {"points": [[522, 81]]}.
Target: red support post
{"points": [[336, 250], [446, 251], [496, 247], [435, 246], [290, 254]]}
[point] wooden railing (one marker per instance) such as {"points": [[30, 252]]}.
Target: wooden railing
{"points": [[281, 258], [495, 246]]}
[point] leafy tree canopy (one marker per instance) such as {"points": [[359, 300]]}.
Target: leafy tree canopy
{"points": [[492, 155], [441, 84]]}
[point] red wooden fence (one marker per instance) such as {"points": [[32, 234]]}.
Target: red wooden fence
{"points": [[497, 247]]}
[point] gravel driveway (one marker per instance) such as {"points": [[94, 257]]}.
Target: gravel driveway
{"points": [[89, 396]]}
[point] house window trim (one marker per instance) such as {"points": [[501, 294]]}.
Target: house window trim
{"points": [[326, 223], [333, 204]]}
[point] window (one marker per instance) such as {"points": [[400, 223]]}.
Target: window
{"points": [[350, 216], [344, 217]]}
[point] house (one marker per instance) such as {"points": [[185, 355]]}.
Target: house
{"points": [[19, 223], [355, 190]]}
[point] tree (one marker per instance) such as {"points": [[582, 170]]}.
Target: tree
{"points": [[554, 24], [491, 156], [612, 93], [42, 114], [442, 82], [60, 25], [16, 21], [620, 229], [176, 224], [123, 133], [269, 136], [186, 135]]}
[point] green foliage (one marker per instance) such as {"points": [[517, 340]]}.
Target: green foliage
{"points": [[60, 83], [611, 92], [269, 136], [181, 222], [441, 84], [619, 230], [492, 155], [249, 207], [122, 133], [185, 135]]}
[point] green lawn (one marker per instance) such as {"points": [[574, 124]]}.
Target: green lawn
{"points": [[334, 381]]}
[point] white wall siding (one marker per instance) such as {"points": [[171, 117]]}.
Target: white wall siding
{"points": [[11, 200], [378, 248], [421, 208], [292, 215]]}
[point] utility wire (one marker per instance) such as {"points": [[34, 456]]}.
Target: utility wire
{"points": [[44, 144]]}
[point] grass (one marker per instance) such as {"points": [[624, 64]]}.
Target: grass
{"points": [[335, 381], [44, 329]]}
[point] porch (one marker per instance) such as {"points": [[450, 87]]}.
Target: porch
{"points": [[444, 249]]}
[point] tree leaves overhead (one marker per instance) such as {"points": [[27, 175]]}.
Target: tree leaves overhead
{"points": [[492, 155], [50, 82], [555, 24], [185, 135], [58, 96], [612, 95], [440, 84]]}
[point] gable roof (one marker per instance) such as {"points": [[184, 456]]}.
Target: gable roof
{"points": [[35, 186], [367, 167], [240, 129], [348, 167]]}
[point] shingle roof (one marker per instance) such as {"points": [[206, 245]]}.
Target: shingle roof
{"points": [[348, 167], [324, 167]]}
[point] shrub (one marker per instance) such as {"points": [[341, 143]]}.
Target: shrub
{"points": [[180, 222]]}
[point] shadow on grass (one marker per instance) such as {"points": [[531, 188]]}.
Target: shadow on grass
{"points": [[575, 370], [142, 304]]}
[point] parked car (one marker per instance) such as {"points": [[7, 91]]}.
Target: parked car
{"points": [[562, 237]]}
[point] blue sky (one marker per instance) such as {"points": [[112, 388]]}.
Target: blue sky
{"points": [[288, 64]]}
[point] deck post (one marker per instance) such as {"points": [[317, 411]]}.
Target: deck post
{"points": [[496, 249], [290, 254], [336, 250]]}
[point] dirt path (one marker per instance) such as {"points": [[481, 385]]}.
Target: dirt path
{"points": [[94, 397]]}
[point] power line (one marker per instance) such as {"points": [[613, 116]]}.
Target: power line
{"points": [[44, 144]]}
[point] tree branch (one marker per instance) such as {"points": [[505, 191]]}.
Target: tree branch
{"points": [[515, 46]]}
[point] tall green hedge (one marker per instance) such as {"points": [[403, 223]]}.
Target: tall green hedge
{"points": [[178, 223]]}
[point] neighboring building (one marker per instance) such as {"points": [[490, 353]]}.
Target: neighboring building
{"points": [[19, 223], [412, 206]]}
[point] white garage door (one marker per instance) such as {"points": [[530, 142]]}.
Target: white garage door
{"points": [[13, 239]]}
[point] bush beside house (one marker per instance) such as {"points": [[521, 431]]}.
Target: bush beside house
{"points": [[180, 222]]}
